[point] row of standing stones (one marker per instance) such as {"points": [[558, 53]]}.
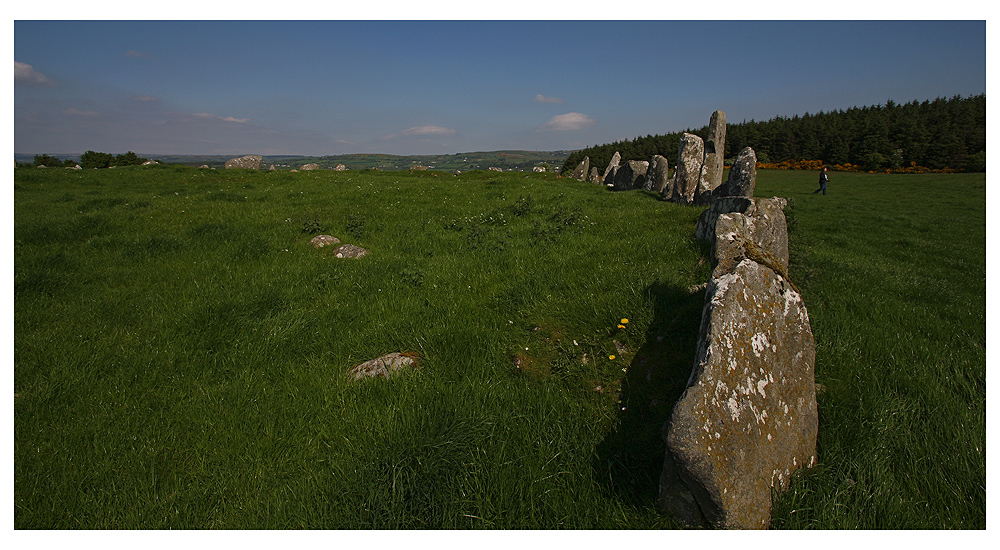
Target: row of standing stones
{"points": [[747, 421]]}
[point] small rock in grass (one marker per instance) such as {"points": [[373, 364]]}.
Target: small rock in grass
{"points": [[320, 241], [384, 366], [349, 251]]}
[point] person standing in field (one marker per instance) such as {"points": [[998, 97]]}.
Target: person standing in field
{"points": [[823, 178]]}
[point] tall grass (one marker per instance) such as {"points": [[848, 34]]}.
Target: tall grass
{"points": [[180, 349]]}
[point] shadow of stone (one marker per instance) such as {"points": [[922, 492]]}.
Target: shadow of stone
{"points": [[629, 460]]}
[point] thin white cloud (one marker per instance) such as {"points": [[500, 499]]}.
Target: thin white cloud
{"points": [[137, 53], [429, 130], [26, 75], [227, 119], [542, 99], [76, 112], [567, 122]]}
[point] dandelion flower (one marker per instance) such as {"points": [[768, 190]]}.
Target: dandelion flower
{"points": [[621, 326], [624, 321], [612, 357]]}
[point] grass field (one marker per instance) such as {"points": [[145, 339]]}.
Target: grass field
{"points": [[180, 350]]}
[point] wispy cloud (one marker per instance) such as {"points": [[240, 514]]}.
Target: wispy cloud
{"points": [[429, 130], [76, 112], [26, 75], [140, 54], [227, 119], [568, 121], [542, 99]]}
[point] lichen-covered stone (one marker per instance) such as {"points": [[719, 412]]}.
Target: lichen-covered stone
{"points": [[657, 175], [319, 241], [748, 419], [595, 175], [384, 366], [715, 148], [630, 175], [742, 177], [688, 172], [349, 251], [582, 170], [251, 162], [765, 226], [608, 177], [310, 166]]}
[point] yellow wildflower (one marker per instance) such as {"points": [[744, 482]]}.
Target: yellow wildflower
{"points": [[624, 321], [612, 357]]}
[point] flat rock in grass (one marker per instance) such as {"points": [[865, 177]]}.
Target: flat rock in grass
{"points": [[251, 162], [319, 241], [349, 251], [384, 366]]}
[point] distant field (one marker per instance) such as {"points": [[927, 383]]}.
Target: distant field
{"points": [[180, 350]]}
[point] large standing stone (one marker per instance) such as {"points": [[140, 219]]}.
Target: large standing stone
{"points": [[251, 162], [748, 419], [742, 177], [715, 150], [582, 169], [595, 175], [608, 178], [687, 174], [657, 175], [630, 175]]}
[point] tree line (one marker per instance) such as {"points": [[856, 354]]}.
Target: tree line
{"points": [[939, 134], [90, 159]]}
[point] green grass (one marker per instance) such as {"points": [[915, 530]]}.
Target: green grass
{"points": [[180, 350]]}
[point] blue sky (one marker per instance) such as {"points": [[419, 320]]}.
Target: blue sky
{"points": [[429, 87]]}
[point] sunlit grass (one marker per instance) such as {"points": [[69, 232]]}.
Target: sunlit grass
{"points": [[181, 350]]}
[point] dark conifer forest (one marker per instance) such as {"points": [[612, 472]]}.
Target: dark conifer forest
{"points": [[943, 134]]}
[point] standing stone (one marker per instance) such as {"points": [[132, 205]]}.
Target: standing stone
{"points": [[657, 175], [748, 419], [272, 168], [630, 175], [582, 169], [310, 166], [608, 178], [742, 177], [687, 174], [715, 150], [251, 162], [595, 175], [339, 168]]}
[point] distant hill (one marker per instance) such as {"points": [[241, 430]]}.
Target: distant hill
{"points": [[480, 160]]}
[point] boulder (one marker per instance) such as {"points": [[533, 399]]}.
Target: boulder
{"points": [[384, 366], [609, 172], [495, 169], [715, 150], [657, 175], [339, 168], [582, 170], [542, 169], [747, 420], [349, 251], [742, 177], [251, 162], [310, 166], [272, 168], [319, 241], [688, 172], [631, 175]]}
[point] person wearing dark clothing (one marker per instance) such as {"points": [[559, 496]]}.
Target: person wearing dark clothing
{"points": [[823, 178]]}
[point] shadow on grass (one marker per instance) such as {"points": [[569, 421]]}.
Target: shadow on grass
{"points": [[629, 460]]}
